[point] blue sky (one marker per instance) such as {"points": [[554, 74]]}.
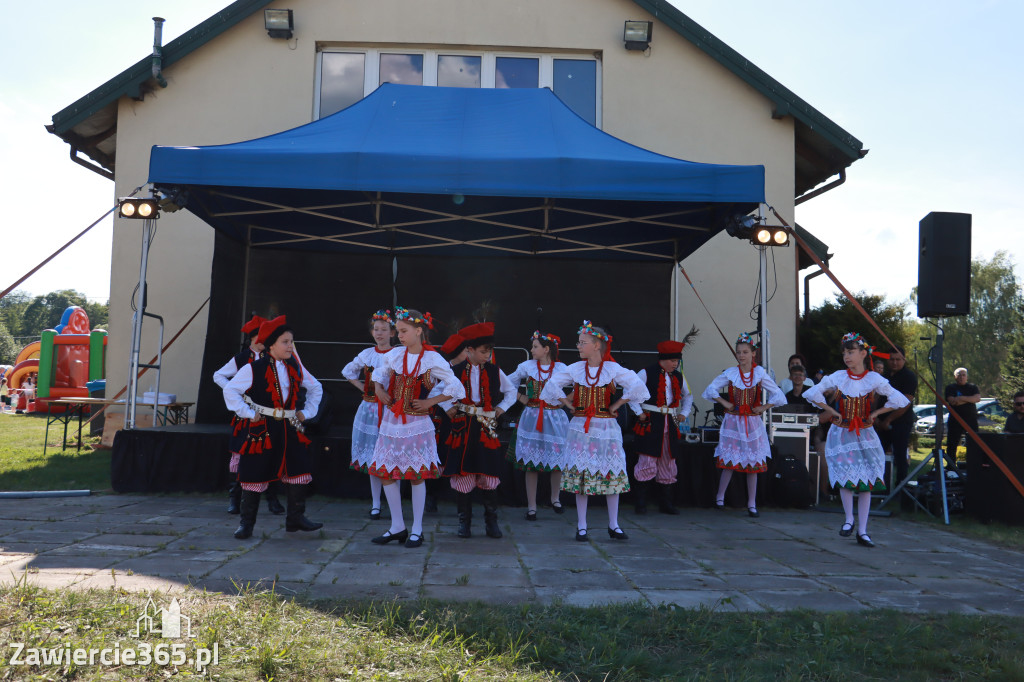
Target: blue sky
{"points": [[931, 88]]}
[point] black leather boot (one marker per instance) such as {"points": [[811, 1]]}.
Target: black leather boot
{"points": [[640, 497], [296, 519], [250, 506], [273, 504], [666, 506], [465, 507], [234, 497], [491, 514]]}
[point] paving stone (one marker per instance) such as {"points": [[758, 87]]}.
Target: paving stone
{"points": [[581, 579], [478, 577], [815, 600], [675, 581], [489, 595], [589, 597], [711, 599], [915, 602], [262, 568]]}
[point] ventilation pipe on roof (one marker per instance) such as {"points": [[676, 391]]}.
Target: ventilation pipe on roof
{"points": [[158, 54]]}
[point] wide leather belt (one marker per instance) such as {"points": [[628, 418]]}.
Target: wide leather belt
{"points": [[369, 398], [596, 415], [673, 411], [474, 410], [272, 412], [547, 406]]}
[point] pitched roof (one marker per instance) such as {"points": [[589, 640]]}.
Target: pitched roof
{"points": [[823, 148]]}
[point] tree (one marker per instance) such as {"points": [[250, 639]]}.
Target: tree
{"points": [[1012, 373], [8, 349], [12, 309], [44, 312], [981, 339], [823, 328]]}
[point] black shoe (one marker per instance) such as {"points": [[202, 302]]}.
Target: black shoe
{"points": [[249, 508], [375, 514], [617, 534], [557, 506], [465, 507], [753, 513], [720, 505], [400, 536], [531, 514], [581, 535], [415, 540], [296, 519], [864, 540], [847, 530], [667, 506], [429, 505]]}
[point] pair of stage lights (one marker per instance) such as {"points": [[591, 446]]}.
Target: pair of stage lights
{"points": [[138, 209], [766, 235]]}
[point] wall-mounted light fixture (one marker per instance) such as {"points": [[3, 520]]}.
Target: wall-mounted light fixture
{"points": [[637, 34], [138, 209], [279, 22]]}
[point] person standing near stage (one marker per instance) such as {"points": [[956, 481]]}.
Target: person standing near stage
{"points": [[406, 447], [963, 398], [595, 463], [900, 422], [266, 392], [658, 434], [359, 373], [743, 440], [239, 427], [856, 461], [540, 438], [474, 460]]}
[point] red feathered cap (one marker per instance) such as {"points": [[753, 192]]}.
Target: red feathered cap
{"points": [[670, 350], [478, 334], [269, 327], [252, 325], [452, 346]]}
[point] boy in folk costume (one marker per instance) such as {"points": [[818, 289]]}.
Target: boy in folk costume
{"points": [[743, 440], [474, 460], [239, 426], [856, 460], [267, 394], [359, 373], [454, 351], [658, 428]]}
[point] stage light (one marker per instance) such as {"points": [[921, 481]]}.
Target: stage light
{"points": [[770, 235], [279, 22], [637, 34], [781, 237], [138, 209], [741, 226], [762, 236]]}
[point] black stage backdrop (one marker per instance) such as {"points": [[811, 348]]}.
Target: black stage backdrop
{"points": [[330, 297]]}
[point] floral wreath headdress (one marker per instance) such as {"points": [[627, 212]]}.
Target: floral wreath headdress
{"points": [[383, 316], [404, 315], [855, 338], [747, 339], [537, 336], [588, 328]]}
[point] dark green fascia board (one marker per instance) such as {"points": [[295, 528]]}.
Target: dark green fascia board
{"points": [[784, 100], [130, 81]]}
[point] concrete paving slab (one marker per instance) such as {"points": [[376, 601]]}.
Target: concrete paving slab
{"points": [[489, 595], [785, 600], [717, 600], [589, 597]]}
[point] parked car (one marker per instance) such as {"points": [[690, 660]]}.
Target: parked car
{"points": [[924, 411], [987, 408]]}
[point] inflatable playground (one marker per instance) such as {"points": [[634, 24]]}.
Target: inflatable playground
{"points": [[66, 362]]}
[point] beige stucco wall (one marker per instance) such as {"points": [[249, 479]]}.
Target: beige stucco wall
{"points": [[675, 100]]}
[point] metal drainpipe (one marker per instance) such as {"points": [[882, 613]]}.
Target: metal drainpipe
{"points": [[158, 58], [807, 197], [807, 291]]}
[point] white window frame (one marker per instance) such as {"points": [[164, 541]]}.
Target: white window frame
{"points": [[488, 68]]}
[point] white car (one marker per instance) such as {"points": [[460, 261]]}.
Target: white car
{"points": [[987, 407]]}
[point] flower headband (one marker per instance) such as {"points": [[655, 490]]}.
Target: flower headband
{"points": [[588, 328], [747, 339], [857, 339], [383, 316], [537, 336], [404, 315]]}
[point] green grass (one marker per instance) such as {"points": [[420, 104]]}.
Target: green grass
{"points": [[262, 636], [23, 466]]}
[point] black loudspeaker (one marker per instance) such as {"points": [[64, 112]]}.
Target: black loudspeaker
{"points": [[990, 495], [944, 265]]}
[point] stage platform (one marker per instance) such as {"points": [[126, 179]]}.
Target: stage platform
{"points": [[194, 458]]}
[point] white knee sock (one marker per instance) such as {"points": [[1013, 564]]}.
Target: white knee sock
{"points": [[556, 485], [752, 490], [723, 483], [581, 512], [419, 499], [393, 492], [613, 510], [863, 510], [375, 486], [846, 495]]}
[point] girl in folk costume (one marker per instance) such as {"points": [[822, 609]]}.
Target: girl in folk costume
{"points": [[743, 441], [594, 461], [359, 373], [540, 439], [657, 430], [406, 448], [239, 427], [473, 457], [856, 461], [266, 392]]}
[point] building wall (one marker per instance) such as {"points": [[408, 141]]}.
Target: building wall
{"points": [[673, 99]]}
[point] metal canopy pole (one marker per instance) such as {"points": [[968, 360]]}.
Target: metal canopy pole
{"points": [[133, 371]]}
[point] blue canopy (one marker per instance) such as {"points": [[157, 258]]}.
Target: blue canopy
{"points": [[458, 171]]}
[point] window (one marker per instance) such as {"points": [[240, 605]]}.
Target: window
{"points": [[346, 75]]}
